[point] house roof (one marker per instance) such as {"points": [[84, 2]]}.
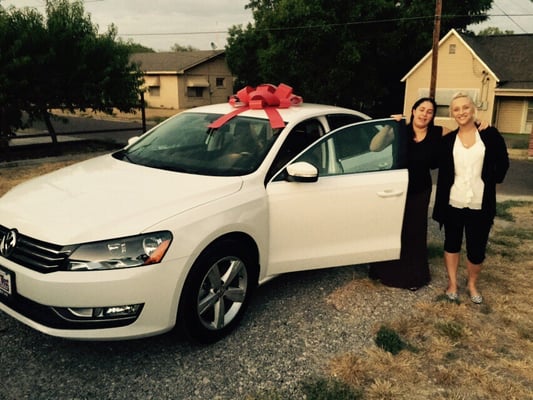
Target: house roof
{"points": [[173, 62], [508, 57]]}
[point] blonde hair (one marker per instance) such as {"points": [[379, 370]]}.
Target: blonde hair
{"points": [[460, 95]]}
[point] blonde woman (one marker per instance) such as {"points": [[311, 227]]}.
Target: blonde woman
{"points": [[471, 163]]}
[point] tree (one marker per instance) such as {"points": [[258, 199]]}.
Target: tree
{"points": [[22, 45], [349, 53], [61, 62], [136, 47], [492, 30], [177, 47]]}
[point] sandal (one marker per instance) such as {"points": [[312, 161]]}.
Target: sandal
{"points": [[452, 296], [477, 299]]}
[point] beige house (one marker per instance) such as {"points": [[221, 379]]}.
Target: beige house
{"points": [[496, 70], [186, 79]]}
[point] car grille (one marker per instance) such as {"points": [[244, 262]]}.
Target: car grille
{"points": [[36, 254]]}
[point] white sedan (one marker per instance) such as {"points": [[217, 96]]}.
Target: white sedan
{"points": [[179, 227]]}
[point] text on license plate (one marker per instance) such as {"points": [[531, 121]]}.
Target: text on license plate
{"points": [[5, 283]]}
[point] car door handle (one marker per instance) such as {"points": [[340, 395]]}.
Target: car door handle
{"points": [[390, 193]]}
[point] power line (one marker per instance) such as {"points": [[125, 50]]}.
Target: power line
{"points": [[315, 26], [508, 16]]}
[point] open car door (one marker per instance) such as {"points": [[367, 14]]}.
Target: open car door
{"points": [[340, 201]]}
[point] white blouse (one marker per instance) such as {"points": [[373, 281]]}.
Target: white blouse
{"points": [[467, 189]]}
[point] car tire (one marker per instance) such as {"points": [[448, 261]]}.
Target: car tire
{"points": [[216, 292]]}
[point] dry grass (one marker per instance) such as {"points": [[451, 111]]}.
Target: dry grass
{"points": [[462, 351]]}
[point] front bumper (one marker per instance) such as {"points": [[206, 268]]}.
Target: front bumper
{"points": [[41, 301]]}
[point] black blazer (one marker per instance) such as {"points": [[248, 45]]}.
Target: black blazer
{"points": [[495, 166]]}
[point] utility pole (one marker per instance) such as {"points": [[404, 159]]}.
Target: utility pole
{"points": [[435, 50]]}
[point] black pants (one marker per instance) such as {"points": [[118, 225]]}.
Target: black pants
{"points": [[476, 227]]}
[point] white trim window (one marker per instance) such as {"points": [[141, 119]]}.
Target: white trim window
{"points": [[443, 98]]}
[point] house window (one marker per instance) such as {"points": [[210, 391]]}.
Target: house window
{"points": [[451, 49], [443, 98], [220, 82], [443, 110], [154, 91], [195, 92]]}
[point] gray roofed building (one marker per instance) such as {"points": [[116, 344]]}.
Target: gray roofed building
{"points": [[185, 79], [175, 61]]}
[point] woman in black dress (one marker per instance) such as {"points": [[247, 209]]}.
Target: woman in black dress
{"points": [[411, 271]]}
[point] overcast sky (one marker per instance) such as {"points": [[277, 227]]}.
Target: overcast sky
{"points": [[159, 24], [512, 15]]}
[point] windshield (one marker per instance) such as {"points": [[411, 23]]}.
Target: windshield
{"points": [[186, 144]]}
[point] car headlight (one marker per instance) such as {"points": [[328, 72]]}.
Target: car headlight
{"points": [[132, 251]]}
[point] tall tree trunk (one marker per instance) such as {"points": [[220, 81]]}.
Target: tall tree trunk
{"points": [[49, 126]]}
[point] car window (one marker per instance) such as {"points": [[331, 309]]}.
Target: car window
{"points": [[363, 147], [300, 137]]}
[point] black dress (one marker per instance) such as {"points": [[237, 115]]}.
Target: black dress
{"points": [[411, 271]]}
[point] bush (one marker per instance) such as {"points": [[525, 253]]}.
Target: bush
{"points": [[389, 340], [516, 140]]}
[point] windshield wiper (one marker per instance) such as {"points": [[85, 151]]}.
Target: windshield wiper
{"points": [[123, 155]]}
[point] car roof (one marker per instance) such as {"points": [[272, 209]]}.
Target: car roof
{"points": [[293, 113]]}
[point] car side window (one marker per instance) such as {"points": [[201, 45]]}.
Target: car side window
{"points": [[363, 147], [301, 136]]}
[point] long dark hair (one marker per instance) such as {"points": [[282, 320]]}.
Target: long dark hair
{"points": [[420, 101]]}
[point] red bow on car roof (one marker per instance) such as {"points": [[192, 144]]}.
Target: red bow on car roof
{"points": [[267, 97]]}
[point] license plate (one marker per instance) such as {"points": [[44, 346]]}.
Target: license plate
{"points": [[6, 283]]}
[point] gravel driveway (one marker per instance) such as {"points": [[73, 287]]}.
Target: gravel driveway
{"points": [[295, 324]]}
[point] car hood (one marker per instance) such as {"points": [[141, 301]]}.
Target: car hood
{"points": [[105, 198]]}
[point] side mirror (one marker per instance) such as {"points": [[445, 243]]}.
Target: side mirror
{"points": [[302, 172], [132, 140]]}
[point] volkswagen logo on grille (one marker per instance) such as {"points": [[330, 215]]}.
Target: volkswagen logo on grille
{"points": [[8, 243]]}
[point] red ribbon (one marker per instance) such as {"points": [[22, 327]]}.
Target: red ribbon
{"points": [[267, 97]]}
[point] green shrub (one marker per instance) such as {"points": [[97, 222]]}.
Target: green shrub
{"points": [[389, 340], [516, 140]]}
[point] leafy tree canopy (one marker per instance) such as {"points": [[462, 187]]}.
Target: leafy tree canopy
{"points": [[344, 52], [60, 61], [136, 47], [178, 47], [492, 30]]}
